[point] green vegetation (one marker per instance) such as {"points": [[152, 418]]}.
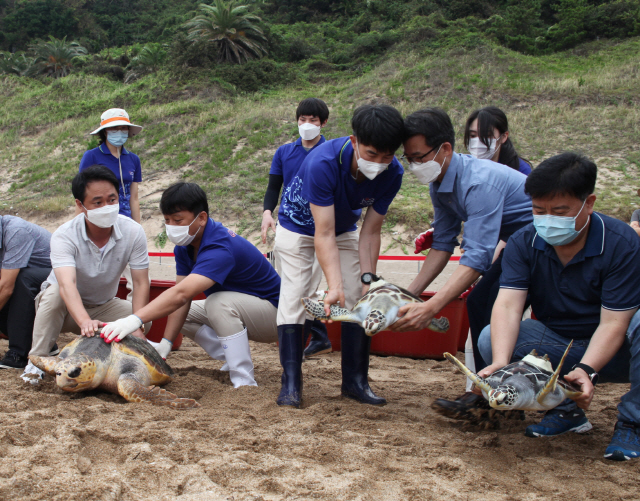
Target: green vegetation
{"points": [[203, 129]]}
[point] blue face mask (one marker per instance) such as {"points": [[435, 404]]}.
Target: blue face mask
{"points": [[558, 230], [117, 137]]}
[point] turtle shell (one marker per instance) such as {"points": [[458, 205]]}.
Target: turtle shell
{"points": [[100, 351], [392, 291], [535, 374]]}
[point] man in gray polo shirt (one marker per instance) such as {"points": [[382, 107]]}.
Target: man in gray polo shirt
{"points": [[24, 265], [88, 255]]}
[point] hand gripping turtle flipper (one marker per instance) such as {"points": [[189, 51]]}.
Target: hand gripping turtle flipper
{"points": [[439, 324], [132, 391], [477, 380], [553, 380], [316, 310], [46, 364]]}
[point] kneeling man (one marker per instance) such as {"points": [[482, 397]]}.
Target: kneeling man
{"points": [[88, 255], [582, 273], [242, 288]]}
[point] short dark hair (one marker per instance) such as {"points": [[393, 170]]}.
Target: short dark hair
{"points": [[489, 118], [314, 107], [434, 124], [184, 196], [569, 173], [90, 175], [379, 126]]}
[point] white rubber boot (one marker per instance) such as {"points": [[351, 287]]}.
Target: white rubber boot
{"points": [[238, 356], [208, 340]]}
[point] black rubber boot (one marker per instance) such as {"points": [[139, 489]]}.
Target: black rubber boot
{"points": [[355, 365], [319, 344], [291, 340]]}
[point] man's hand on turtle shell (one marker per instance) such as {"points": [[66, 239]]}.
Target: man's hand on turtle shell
{"points": [[118, 330], [490, 369], [580, 378], [89, 327]]}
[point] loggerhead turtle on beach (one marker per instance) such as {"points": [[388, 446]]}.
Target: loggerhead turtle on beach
{"points": [[375, 311], [131, 368]]}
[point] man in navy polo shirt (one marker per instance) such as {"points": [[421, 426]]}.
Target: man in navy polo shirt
{"points": [[489, 198], [241, 286], [581, 271], [318, 216], [312, 115]]}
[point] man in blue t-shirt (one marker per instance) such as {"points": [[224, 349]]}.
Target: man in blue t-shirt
{"points": [[581, 271], [241, 286], [318, 215], [312, 115]]}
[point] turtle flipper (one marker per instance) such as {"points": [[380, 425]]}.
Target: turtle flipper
{"points": [[339, 314], [553, 380], [439, 324], [477, 380], [46, 364], [133, 391], [314, 308]]}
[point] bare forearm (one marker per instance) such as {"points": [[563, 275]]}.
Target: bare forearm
{"points": [[432, 267], [459, 282], [165, 304], [5, 295], [604, 344], [73, 302], [505, 327], [175, 321], [329, 258], [140, 297], [135, 211], [368, 251]]}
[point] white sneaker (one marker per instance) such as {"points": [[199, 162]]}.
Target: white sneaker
{"points": [[32, 374]]}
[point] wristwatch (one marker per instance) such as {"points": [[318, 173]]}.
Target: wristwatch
{"points": [[593, 375], [369, 277]]}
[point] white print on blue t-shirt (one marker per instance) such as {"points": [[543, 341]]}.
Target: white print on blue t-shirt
{"points": [[294, 206], [366, 202]]}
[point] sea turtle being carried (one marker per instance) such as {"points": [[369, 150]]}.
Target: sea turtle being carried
{"points": [[529, 384], [130, 368], [375, 311]]}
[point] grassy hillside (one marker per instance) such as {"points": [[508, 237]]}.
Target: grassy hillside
{"points": [[586, 99]]}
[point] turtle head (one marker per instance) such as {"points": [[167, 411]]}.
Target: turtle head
{"points": [[77, 374], [504, 397], [374, 322]]}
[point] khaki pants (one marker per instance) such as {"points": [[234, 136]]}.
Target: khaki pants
{"points": [[229, 313], [52, 318], [295, 255]]}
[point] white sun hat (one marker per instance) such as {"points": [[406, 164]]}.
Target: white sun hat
{"points": [[115, 117]]}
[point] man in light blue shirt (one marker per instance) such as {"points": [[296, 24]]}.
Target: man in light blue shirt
{"points": [[489, 198]]}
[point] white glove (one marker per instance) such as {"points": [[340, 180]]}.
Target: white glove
{"points": [[164, 347], [118, 330]]}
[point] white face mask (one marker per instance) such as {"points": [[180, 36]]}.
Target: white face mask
{"points": [[479, 150], [369, 169], [427, 172], [308, 131], [179, 235], [103, 217]]}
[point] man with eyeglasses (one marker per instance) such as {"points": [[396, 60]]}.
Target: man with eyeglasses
{"points": [[490, 199]]}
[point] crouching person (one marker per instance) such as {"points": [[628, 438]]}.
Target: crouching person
{"points": [[582, 273], [242, 288], [88, 255]]}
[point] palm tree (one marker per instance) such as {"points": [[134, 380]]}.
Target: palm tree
{"points": [[231, 27], [149, 59], [14, 64], [55, 57]]}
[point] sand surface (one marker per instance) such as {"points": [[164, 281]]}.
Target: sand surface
{"points": [[241, 446]]}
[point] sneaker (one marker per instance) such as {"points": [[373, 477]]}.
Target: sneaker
{"points": [[54, 351], [625, 443], [32, 374], [12, 360], [557, 422]]}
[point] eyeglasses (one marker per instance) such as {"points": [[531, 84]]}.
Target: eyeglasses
{"points": [[416, 160]]}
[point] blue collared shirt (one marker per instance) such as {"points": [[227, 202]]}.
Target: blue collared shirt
{"points": [[131, 171], [289, 158], [324, 179], [233, 263], [489, 197], [605, 273]]}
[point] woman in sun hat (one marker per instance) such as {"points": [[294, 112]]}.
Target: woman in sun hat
{"points": [[114, 130]]}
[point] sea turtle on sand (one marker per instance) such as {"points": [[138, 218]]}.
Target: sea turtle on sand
{"points": [[376, 310], [529, 384], [129, 368]]}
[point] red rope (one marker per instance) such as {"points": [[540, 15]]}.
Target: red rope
{"points": [[381, 258]]}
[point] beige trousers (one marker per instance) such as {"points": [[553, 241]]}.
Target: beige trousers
{"points": [[228, 313], [52, 318], [295, 255]]}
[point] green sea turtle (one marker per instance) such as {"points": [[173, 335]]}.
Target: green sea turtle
{"points": [[131, 368], [530, 384], [375, 311]]}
